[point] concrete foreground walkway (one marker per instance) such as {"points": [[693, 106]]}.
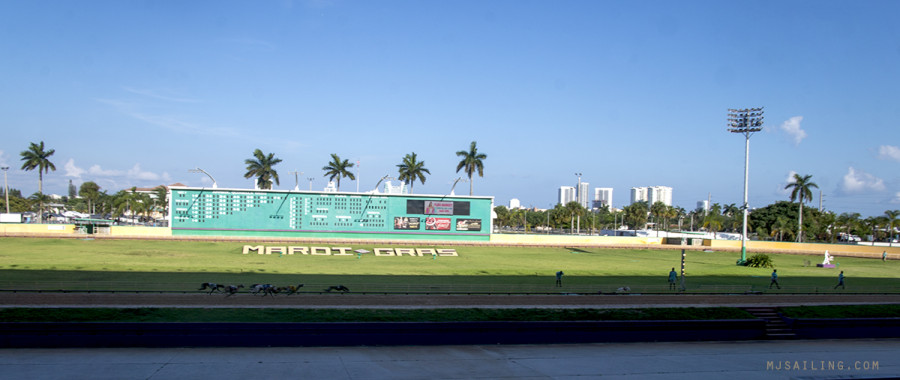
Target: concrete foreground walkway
{"points": [[818, 359]]}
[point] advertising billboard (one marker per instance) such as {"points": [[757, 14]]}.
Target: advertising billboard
{"points": [[438, 208], [468, 224], [406, 223], [441, 224]]}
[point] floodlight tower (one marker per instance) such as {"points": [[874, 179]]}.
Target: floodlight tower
{"points": [[296, 179], [745, 121], [198, 170]]}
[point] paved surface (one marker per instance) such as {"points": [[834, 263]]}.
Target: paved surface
{"points": [[8, 299], [702, 360]]}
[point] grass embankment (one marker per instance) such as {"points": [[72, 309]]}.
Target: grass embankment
{"points": [[361, 315], [71, 264], [842, 311]]}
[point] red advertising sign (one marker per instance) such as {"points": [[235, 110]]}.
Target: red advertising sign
{"points": [[442, 224]]}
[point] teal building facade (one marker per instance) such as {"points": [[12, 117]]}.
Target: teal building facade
{"points": [[281, 213]]}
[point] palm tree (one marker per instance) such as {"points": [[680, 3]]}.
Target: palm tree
{"points": [[40, 199], [892, 216], [713, 222], [411, 170], [801, 190], [90, 191], [126, 201], [161, 202], [260, 166], [338, 168], [36, 157], [472, 161]]}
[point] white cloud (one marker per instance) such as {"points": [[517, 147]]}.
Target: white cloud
{"points": [[793, 129], [889, 152], [856, 181], [136, 173], [72, 170], [790, 179], [896, 198], [3, 159], [98, 171]]}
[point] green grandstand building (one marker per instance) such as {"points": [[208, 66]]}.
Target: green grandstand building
{"points": [[315, 214]]}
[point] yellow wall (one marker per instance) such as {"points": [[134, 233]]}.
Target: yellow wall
{"points": [[69, 229], [37, 229], [139, 231], [783, 246], [572, 239]]}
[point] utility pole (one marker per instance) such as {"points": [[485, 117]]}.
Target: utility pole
{"points": [[745, 121]]}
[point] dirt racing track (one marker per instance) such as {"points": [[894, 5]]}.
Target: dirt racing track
{"points": [[350, 300]]}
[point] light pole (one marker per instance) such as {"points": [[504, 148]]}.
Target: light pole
{"points": [[296, 179], [6, 187], [198, 170], [745, 121], [310, 182], [578, 189]]}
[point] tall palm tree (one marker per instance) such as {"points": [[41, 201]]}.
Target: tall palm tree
{"points": [[472, 161], [411, 170], [37, 157], [337, 169], [261, 167], [161, 203], [892, 216], [801, 190]]}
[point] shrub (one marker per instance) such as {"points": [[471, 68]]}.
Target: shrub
{"points": [[760, 260]]}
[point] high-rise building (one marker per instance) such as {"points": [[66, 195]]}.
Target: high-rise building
{"points": [[583, 195], [652, 195], [603, 197], [514, 204], [566, 194], [660, 194], [703, 205], [638, 194]]}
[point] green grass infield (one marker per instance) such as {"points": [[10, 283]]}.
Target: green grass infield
{"points": [[41, 264]]}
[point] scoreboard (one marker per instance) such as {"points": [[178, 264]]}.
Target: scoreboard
{"points": [[281, 213]]}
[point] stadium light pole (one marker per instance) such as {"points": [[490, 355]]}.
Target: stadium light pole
{"points": [[745, 121], [578, 189], [296, 179], [198, 170], [6, 187]]}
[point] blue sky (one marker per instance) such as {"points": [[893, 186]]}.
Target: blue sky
{"points": [[629, 93]]}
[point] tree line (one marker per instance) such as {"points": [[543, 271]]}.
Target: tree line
{"points": [[260, 166]]}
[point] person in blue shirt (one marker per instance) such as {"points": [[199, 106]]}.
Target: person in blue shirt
{"points": [[840, 281], [673, 277], [774, 279], [559, 278]]}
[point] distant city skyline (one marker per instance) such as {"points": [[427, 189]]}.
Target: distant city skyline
{"points": [[624, 93]]}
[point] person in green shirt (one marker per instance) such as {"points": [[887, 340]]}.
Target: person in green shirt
{"points": [[840, 281]]}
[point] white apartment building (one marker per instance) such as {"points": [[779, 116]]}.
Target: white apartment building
{"points": [[638, 194], [583, 194], [652, 194], [514, 204], [566, 194], [603, 197]]}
